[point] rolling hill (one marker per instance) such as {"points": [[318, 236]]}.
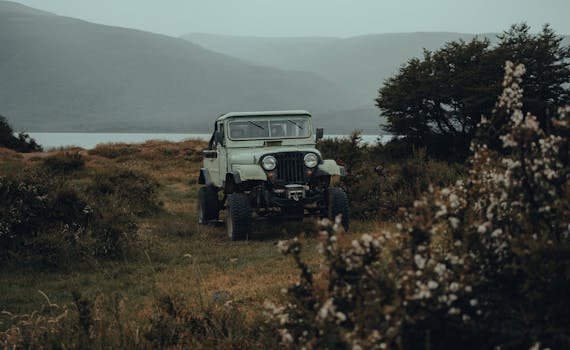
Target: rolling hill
{"points": [[64, 74], [359, 63]]}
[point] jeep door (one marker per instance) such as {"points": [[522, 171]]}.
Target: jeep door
{"points": [[217, 166]]}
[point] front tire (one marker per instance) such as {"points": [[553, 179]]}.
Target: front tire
{"points": [[338, 204], [208, 206], [238, 216]]}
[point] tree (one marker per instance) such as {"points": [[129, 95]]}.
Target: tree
{"points": [[545, 87], [438, 101], [20, 143]]}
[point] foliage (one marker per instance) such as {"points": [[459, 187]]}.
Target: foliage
{"points": [[437, 102], [133, 191], [101, 323], [20, 143], [47, 219], [65, 162], [480, 264], [113, 151], [380, 179]]}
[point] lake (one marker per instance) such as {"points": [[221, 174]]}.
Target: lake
{"points": [[89, 140]]}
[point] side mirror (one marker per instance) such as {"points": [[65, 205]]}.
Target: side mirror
{"points": [[320, 133], [219, 137]]}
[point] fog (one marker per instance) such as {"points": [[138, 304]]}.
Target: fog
{"points": [[313, 18]]}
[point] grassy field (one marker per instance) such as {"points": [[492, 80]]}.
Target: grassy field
{"points": [[173, 255]]}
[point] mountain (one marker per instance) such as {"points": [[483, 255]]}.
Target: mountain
{"points": [[360, 63], [275, 52], [64, 74]]}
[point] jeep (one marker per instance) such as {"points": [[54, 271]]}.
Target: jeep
{"points": [[265, 164]]}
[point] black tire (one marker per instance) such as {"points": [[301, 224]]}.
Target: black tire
{"points": [[208, 205], [338, 204], [238, 216]]}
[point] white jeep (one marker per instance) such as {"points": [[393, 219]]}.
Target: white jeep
{"points": [[266, 163]]}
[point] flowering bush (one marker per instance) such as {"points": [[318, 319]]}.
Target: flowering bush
{"points": [[482, 263]]}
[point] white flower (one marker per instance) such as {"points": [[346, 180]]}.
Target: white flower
{"points": [[326, 309], [497, 233], [473, 302], [283, 246], [432, 284], [454, 311], [454, 287], [454, 221], [420, 261], [440, 268], [453, 201], [286, 337]]}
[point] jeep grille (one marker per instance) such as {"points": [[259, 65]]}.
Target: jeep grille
{"points": [[290, 167]]}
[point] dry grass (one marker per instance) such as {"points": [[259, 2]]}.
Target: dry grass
{"points": [[176, 257]]}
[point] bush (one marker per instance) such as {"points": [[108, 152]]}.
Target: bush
{"points": [[135, 192], [48, 220], [21, 143], [65, 163], [484, 263], [113, 151], [379, 182]]}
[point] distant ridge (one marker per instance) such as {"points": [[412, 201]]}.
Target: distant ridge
{"points": [[360, 63], [64, 74]]}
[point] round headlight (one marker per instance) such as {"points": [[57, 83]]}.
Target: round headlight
{"points": [[311, 160], [269, 163]]}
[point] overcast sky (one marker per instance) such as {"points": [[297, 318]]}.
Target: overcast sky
{"points": [[314, 17]]}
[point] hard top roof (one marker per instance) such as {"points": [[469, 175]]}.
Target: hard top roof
{"points": [[263, 114]]}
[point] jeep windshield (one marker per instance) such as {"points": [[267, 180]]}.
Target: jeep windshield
{"points": [[266, 128]]}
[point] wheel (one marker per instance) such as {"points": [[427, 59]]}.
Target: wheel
{"points": [[238, 216], [208, 206], [338, 204]]}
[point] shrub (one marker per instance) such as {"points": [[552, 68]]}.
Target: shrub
{"points": [[378, 182], [134, 191], [21, 143], [113, 151], [480, 264], [48, 219], [65, 163]]}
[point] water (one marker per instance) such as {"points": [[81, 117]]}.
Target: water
{"points": [[89, 140]]}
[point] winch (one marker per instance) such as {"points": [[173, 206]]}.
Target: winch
{"points": [[295, 192]]}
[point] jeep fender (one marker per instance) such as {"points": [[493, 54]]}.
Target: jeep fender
{"points": [[247, 172], [204, 178], [241, 173], [329, 167]]}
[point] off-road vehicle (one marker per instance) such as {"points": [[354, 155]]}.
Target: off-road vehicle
{"points": [[263, 164]]}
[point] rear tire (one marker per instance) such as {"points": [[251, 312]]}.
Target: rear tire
{"points": [[338, 204], [208, 205], [238, 216]]}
